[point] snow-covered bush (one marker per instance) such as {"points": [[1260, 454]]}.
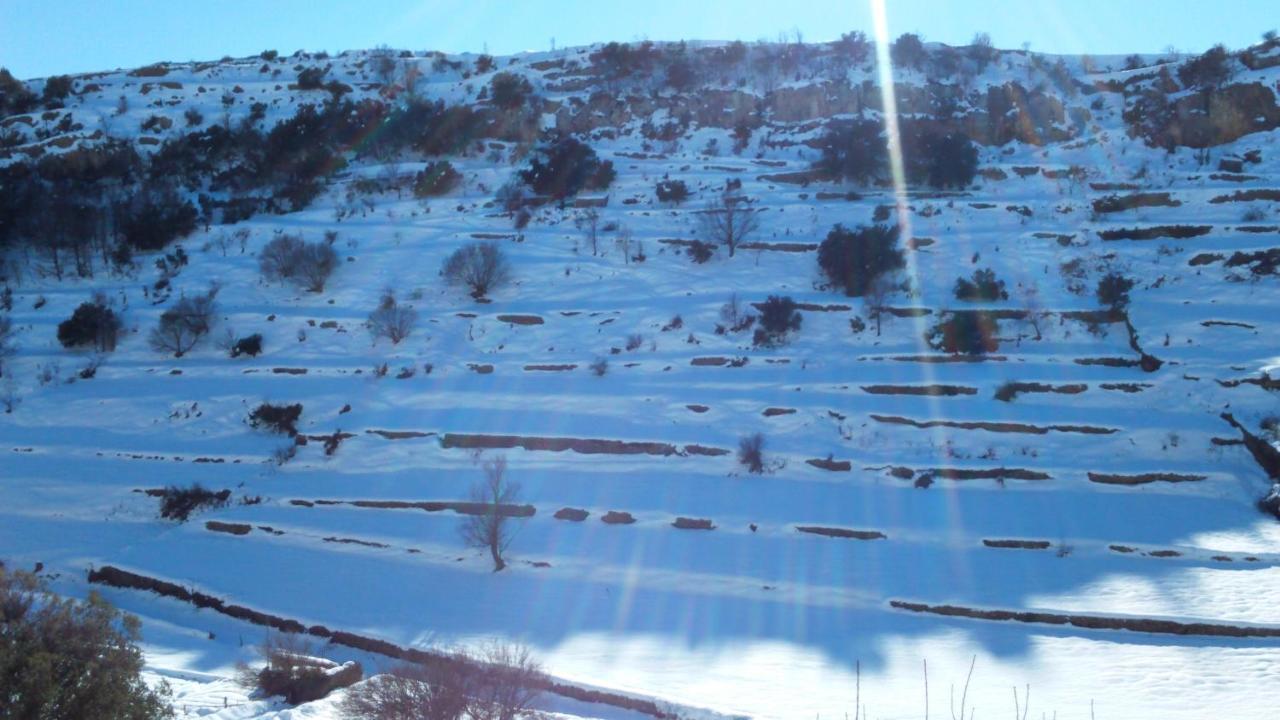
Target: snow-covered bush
{"points": [[851, 259], [293, 671], [480, 266]]}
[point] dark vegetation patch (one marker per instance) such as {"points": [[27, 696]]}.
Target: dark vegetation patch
{"points": [[572, 514], [276, 418], [178, 503]]}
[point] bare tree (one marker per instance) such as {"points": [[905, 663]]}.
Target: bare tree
{"points": [[491, 529], [624, 243], [876, 298], [1034, 309], [391, 320], [728, 221], [479, 266], [589, 223], [184, 324], [7, 346], [751, 452]]}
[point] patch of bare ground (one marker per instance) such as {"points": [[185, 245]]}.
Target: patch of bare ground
{"points": [[829, 464], [355, 541], [716, 361], [800, 177], [616, 517], [1125, 387], [571, 514], [289, 371], [1017, 544], [586, 446], [684, 523], [1227, 323], [948, 358], [1092, 622], [1142, 479], [999, 427], [1249, 196], [1107, 361], [1266, 382], [399, 434], [1010, 390], [550, 368], [695, 449], [1120, 203], [480, 368], [779, 247], [844, 533], [812, 307], [908, 311], [521, 319], [1177, 232], [698, 408], [1000, 473], [775, 411], [224, 527], [462, 508], [927, 390]]}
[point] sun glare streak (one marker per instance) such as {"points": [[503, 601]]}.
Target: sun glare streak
{"points": [[889, 104]]}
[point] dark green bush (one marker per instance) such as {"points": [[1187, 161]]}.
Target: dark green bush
{"points": [[851, 259]]}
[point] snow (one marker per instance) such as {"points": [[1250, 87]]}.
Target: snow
{"points": [[750, 619]]}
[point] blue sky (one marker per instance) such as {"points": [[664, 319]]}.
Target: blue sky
{"points": [[44, 37]]}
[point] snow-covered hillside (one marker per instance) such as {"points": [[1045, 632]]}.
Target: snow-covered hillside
{"points": [[901, 496]]}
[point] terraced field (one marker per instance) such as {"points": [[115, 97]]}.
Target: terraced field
{"points": [[1101, 510]]}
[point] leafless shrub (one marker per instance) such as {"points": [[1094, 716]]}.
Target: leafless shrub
{"points": [[7, 345], [288, 257], [479, 266], [600, 366], [391, 320], [437, 691], [293, 671]]}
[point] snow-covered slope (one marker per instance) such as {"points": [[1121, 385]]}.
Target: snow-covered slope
{"points": [[1122, 494]]}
